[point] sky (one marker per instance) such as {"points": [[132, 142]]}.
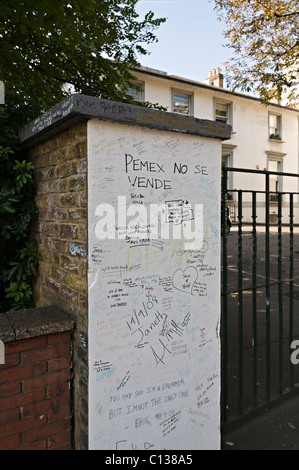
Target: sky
{"points": [[190, 43]]}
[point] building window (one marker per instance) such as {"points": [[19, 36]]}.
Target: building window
{"points": [[275, 181], [226, 162], [274, 126], [182, 102], [137, 93], [223, 111]]}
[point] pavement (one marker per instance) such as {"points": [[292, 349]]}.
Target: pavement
{"points": [[275, 428]]}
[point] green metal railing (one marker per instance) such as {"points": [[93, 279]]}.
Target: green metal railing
{"points": [[258, 320]]}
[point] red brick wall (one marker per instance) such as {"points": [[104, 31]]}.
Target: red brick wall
{"points": [[35, 394]]}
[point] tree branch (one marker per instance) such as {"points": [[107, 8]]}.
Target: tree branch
{"points": [[279, 15]]}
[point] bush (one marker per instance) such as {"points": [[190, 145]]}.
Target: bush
{"points": [[18, 254]]}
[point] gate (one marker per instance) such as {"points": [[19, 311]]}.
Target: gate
{"points": [[260, 292]]}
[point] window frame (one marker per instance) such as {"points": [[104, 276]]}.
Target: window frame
{"points": [[189, 94], [227, 153], [277, 157], [141, 84], [276, 137], [230, 110]]}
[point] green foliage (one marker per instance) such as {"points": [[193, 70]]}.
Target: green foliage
{"points": [[88, 44], [264, 38], [20, 293], [18, 254]]}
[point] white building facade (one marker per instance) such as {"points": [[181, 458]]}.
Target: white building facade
{"points": [[263, 137]]}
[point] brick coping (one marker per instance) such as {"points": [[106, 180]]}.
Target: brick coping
{"points": [[32, 322]]}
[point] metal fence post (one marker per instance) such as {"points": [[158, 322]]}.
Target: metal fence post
{"points": [[254, 315], [267, 300], [224, 300], [240, 300]]}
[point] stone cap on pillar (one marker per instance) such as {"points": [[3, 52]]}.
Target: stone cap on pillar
{"points": [[77, 108], [32, 322]]}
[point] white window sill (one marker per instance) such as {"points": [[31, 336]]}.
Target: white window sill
{"points": [[277, 141]]}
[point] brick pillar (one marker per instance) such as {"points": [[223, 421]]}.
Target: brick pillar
{"points": [[60, 143], [35, 380], [61, 233]]}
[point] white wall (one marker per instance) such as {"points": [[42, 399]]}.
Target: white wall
{"points": [[250, 142], [154, 307]]}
